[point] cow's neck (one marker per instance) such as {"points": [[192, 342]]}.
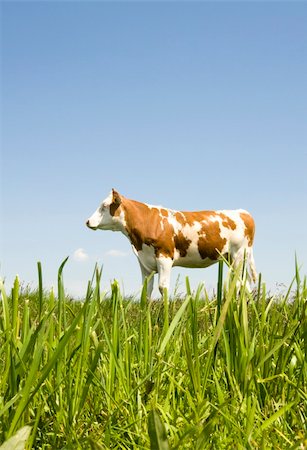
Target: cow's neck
{"points": [[137, 217]]}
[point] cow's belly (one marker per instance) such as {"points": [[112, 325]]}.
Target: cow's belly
{"points": [[193, 261], [147, 258]]}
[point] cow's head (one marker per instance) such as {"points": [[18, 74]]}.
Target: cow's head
{"points": [[107, 216]]}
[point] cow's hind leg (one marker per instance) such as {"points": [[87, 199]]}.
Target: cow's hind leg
{"points": [[251, 264], [240, 258]]}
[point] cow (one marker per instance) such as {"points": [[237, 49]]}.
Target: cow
{"points": [[162, 238]]}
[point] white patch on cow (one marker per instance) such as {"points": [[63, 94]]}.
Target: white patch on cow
{"points": [[122, 218], [154, 206], [120, 223], [191, 232], [173, 221], [107, 201], [147, 258]]}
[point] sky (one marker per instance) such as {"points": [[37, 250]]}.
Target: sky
{"points": [[189, 105]]}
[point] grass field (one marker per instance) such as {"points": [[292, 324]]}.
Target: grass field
{"points": [[228, 372]]}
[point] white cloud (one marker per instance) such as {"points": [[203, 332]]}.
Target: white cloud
{"points": [[80, 255], [116, 253]]}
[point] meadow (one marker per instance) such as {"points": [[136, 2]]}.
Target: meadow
{"points": [[225, 372]]}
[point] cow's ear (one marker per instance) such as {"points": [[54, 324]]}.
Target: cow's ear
{"points": [[116, 198]]}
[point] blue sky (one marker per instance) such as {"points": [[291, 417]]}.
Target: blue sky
{"points": [[192, 105]]}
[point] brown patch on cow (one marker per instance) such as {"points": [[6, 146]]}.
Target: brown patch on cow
{"points": [[145, 226], [180, 217], [210, 242], [249, 231], [198, 216], [164, 212], [182, 243], [227, 222], [113, 208], [164, 240], [116, 201]]}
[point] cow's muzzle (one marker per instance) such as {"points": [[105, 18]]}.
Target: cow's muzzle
{"points": [[87, 223]]}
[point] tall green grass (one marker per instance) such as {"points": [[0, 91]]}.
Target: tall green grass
{"points": [[192, 373]]}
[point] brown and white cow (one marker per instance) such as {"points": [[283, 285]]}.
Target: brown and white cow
{"points": [[162, 238]]}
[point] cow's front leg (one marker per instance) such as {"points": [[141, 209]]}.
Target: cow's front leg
{"points": [[164, 266], [146, 273]]}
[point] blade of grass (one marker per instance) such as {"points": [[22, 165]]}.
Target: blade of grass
{"points": [[40, 290], [173, 325], [157, 432]]}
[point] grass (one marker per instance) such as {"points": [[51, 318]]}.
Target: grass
{"points": [[192, 373]]}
